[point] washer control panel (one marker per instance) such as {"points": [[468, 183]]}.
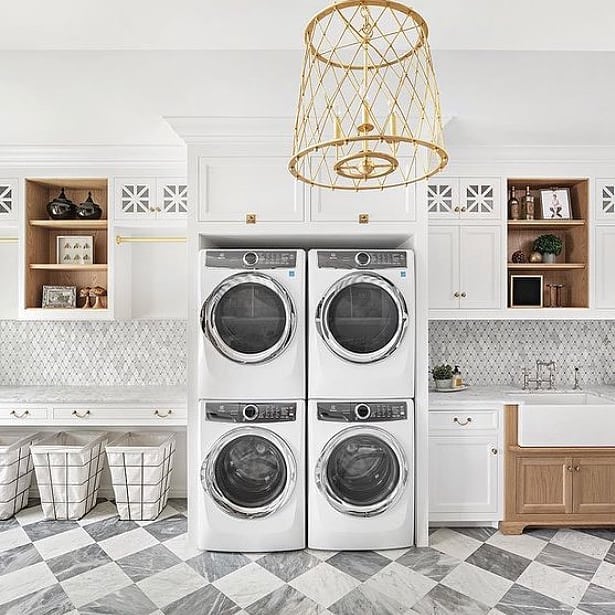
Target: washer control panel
{"points": [[362, 259], [362, 412], [251, 259], [248, 412]]}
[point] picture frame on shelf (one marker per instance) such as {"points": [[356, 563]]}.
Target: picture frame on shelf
{"points": [[526, 291], [75, 250], [555, 204], [59, 297]]}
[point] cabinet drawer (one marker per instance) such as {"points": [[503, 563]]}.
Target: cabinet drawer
{"points": [[463, 420], [119, 414], [23, 414]]}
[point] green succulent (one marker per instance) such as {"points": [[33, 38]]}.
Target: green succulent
{"points": [[548, 244], [442, 372]]}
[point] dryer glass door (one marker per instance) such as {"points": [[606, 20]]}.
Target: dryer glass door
{"points": [[250, 472], [362, 471], [362, 317], [249, 318]]}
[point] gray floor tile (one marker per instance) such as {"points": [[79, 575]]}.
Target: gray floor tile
{"points": [[8, 524], [598, 601], [44, 529], [610, 556], [19, 557], [599, 532], [498, 561], [168, 528], [544, 533], [442, 600], [520, 600], [289, 565], [107, 528], [287, 600], [148, 562], [207, 600], [478, 533], [359, 564], [49, 601], [179, 504], [568, 561], [129, 600], [213, 566], [78, 561], [367, 601], [429, 562]]}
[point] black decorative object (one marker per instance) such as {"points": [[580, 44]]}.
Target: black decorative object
{"points": [[519, 257], [88, 210], [61, 208]]}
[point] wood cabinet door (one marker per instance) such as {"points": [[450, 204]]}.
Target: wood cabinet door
{"points": [[544, 485], [605, 257], [593, 489], [444, 267]]}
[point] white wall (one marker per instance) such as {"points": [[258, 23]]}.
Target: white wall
{"points": [[119, 97]]}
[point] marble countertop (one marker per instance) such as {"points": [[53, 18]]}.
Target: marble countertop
{"points": [[116, 395], [478, 396]]}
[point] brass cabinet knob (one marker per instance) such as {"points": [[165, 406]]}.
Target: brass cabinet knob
{"points": [[456, 294], [577, 468], [569, 468], [464, 209], [457, 209], [494, 451], [23, 415], [463, 294]]}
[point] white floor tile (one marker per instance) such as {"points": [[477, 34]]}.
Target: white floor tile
{"points": [[524, 545], [171, 584], [13, 538], [168, 511], [58, 544], [401, 583], [453, 543], [605, 576], [25, 581], [392, 554], [248, 584], [182, 547], [96, 583], [321, 554], [582, 543], [324, 584], [102, 511], [482, 585], [553, 583], [34, 514], [127, 543]]}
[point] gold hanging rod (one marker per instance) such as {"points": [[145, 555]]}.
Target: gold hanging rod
{"points": [[8, 239], [120, 239]]}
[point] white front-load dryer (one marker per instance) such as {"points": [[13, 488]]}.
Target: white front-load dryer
{"points": [[360, 474], [252, 495], [252, 343], [361, 313]]}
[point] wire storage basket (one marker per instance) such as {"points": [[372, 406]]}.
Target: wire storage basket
{"points": [[141, 466], [68, 468], [15, 472]]}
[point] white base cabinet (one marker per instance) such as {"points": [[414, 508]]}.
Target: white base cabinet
{"points": [[465, 466], [605, 257]]}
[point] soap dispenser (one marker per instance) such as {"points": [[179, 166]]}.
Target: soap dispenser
{"points": [[457, 379]]}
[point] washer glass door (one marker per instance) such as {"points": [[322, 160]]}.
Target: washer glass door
{"points": [[362, 471], [249, 318], [362, 317], [250, 472]]}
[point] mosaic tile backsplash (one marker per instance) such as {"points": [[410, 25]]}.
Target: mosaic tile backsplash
{"points": [[100, 353], [493, 352]]}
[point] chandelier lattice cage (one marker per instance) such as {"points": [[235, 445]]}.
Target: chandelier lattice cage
{"points": [[369, 112]]}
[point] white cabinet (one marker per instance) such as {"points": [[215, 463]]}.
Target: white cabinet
{"points": [[464, 198], [465, 266], [390, 205], [9, 268], [604, 287], [8, 200], [605, 200], [249, 190], [464, 466], [150, 198]]}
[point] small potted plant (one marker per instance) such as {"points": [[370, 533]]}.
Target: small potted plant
{"points": [[549, 246], [443, 376]]}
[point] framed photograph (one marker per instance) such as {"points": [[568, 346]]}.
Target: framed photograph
{"points": [[59, 297], [75, 250], [526, 291], [555, 204]]}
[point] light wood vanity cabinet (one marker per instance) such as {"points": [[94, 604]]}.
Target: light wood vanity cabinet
{"points": [[555, 486]]}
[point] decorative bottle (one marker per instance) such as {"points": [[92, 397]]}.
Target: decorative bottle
{"points": [[528, 204], [514, 209]]}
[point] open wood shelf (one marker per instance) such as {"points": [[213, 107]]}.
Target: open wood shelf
{"points": [[545, 266], [52, 267], [75, 225], [545, 224]]}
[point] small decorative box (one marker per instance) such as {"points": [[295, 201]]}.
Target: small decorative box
{"points": [[75, 250]]}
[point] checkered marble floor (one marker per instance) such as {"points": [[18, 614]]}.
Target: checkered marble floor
{"points": [[102, 565]]}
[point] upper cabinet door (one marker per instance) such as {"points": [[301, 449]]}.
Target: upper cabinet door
{"points": [[605, 199], [389, 205], [479, 198], [135, 198], [605, 257], [8, 200], [249, 189], [171, 197], [444, 267], [443, 198]]}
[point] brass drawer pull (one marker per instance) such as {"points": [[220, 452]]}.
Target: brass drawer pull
{"points": [[23, 415], [81, 416], [163, 416], [462, 423]]}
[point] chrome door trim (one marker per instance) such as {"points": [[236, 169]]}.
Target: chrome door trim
{"points": [[322, 313], [211, 487], [322, 482], [208, 323]]}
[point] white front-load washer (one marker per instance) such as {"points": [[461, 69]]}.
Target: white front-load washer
{"points": [[360, 474], [252, 343], [252, 495], [361, 312]]}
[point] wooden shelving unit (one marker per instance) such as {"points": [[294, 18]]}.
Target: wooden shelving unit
{"points": [[571, 267], [41, 233]]}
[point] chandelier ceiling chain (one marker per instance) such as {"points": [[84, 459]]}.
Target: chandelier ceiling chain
{"points": [[368, 115]]}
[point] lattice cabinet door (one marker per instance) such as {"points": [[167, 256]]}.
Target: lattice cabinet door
{"points": [[171, 198], [135, 198], [479, 198], [443, 198], [605, 199], [8, 200]]}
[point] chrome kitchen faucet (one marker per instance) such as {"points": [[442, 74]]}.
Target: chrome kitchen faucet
{"points": [[538, 380]]}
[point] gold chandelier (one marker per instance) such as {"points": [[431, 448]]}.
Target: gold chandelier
{"points": [[369, 110]]}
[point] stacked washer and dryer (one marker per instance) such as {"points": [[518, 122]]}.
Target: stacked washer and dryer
{"points": [[352, 485]]}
